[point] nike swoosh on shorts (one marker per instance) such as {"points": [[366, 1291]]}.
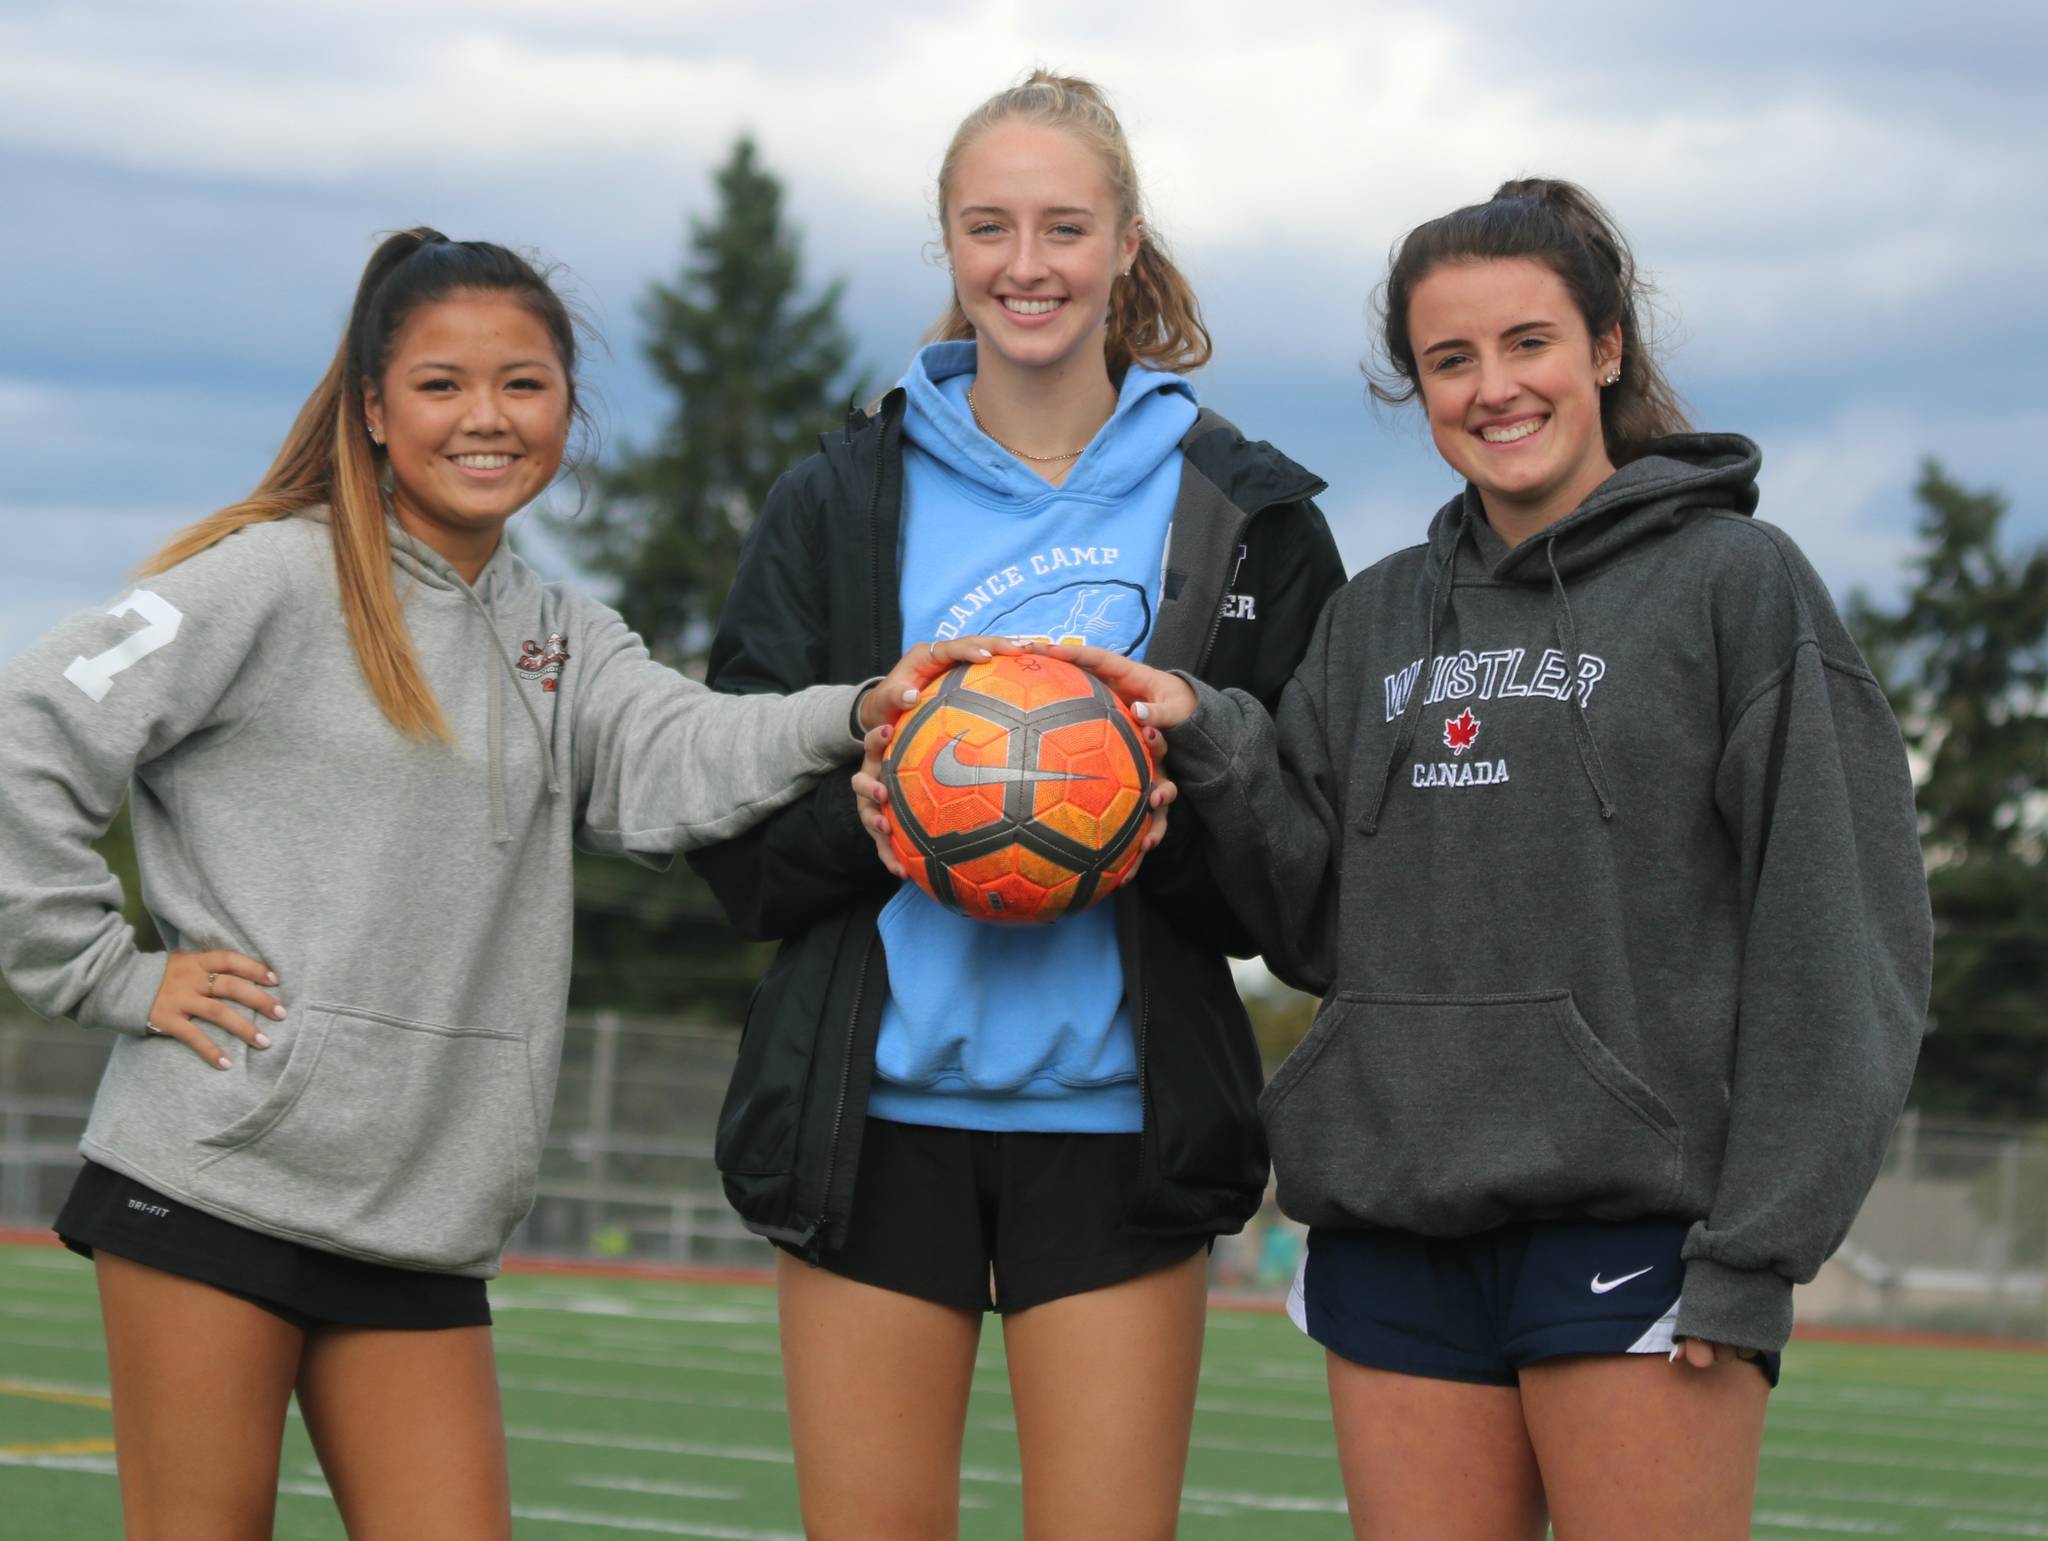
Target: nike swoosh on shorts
{"points": [[1602, 1286]]}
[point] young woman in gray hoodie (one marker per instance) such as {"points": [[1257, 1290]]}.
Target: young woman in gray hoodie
{"points": [[360, 738], [1596, 834]]}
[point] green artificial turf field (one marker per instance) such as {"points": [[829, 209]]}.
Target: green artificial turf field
{"points": [[655, 1409]]}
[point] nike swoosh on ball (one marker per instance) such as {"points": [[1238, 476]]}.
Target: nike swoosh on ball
{"points": [[949, 770]]}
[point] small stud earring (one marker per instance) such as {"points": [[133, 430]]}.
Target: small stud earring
{"points": [[1612, 377], [376, 437]]}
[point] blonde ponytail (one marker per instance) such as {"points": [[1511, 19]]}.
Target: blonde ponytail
{"points": [[1153, 314]]}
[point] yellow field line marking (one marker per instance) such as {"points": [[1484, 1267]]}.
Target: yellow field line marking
{"points": [[62, 1447], [10, 1388]]}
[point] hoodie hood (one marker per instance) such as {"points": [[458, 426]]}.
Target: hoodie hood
{"points": [[1681, 475], [423, 565], [1153, 410]]}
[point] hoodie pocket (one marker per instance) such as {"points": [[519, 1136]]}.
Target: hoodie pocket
{"points": [[412, 1142], [1450, 1114]]}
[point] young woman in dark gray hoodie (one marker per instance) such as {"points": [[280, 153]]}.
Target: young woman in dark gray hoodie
{"points": [[1595, 832]]}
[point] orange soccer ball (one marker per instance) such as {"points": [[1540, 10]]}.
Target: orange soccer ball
{"points": [[1018, 789]]}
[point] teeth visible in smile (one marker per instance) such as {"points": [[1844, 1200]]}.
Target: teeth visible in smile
{"points": [[1031, 307], [1510, 434], [484, 462]]}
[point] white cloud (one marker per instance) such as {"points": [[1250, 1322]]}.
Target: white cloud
{"points": [[1832, 224]]}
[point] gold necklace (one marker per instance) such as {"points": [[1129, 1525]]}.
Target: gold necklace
{"points": [[1071, 454]]}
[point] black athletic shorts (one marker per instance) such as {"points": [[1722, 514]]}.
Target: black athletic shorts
{"points": [[983, 1221], [1479, 1308], [303, 1285]]}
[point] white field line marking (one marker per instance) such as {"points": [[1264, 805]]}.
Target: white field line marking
{"points": [[724, 1343], [49, 1261], [1850, 1458], [1945, 1502], [1271, 1378], [1969, 1527], [42, 1313], [704, 1366], [1985, 1408], [95, 1346], [1273, 1503], [47, 1288], [1240, 1410], [651, 1446], [649, 1527], [59, 1388], [661, 1398], [92, 1465], [1265, 1503], [605, 1334], [1917, 1433], [1261, 1447], [764, 1455], [1828, 1524], [590, 1305], [661, 1489]]}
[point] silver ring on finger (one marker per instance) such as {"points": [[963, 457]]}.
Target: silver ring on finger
{"points": [[209, 984], [931, 652], [152, 1029]]}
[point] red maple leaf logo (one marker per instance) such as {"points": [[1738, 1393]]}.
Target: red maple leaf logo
{"points": [[1459, 731]]}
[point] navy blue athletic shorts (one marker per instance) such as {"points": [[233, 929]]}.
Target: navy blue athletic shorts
{"points": [[1478, 1308]]}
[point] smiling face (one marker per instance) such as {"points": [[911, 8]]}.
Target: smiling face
{"points": [[1037, 239], [473, 409], [1511, 377]]}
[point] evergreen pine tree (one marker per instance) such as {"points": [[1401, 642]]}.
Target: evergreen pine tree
{"points": [[1965, 660], [756, 372]]}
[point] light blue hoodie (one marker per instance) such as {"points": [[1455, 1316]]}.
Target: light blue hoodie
{"points": [[1000, 1027]]}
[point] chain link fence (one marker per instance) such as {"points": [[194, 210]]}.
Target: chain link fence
{"points": [[1954, 1237]]}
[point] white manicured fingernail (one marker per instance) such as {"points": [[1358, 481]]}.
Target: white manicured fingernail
{"points": [[1142, 712], [270, 978], [910, 698], [982, 652], [225, 1063], [277, 1013], [262, 1040]]}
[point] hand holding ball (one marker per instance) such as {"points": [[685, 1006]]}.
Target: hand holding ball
{"points": [[1019, 789]]}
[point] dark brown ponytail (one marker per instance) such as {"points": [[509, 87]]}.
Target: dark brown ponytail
{"points": [[328, 457], [1562, 226]]}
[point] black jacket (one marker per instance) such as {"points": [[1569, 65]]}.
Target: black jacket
{"points": [[815, 600]]}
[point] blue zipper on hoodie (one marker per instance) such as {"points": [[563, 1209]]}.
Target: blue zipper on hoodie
{"points": [[999, 1027]]}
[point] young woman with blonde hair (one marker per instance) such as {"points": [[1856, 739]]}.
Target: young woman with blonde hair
{"points": [[359, 737], [933, 1117]]}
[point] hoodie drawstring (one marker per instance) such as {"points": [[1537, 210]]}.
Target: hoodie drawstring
{"points": [[501, 828], [1411, 715], [1582, 728]]}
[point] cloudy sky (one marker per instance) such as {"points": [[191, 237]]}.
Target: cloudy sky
{"points": [[1846, 213]]}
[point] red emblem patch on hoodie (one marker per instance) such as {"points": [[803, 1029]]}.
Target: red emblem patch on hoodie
{"points": [[1460, 731], [543, 661]]}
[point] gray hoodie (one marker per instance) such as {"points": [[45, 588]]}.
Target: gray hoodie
{"points": [[413, 899], [1603, 852]]}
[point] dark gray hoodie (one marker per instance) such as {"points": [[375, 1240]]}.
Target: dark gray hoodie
{"points": [[1603, 852]]}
